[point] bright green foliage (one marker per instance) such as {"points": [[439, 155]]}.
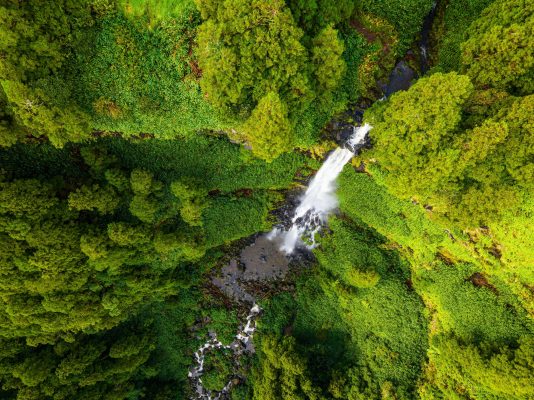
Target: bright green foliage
{"points": [[474, 173], [192, 202], [155, 10], [418, 238], [268, 129], [33, 110], [412, 131], [142, 182], [460, 371], [346, 257], [128, 235], [64, 274], [144, 204], [470, 175], [36, 39], [255, 58], [352, 341], [144, 208], [94, 198], [313, 15], [406, 15], [472, 313], [499, 51], [282, 372], [329, 66], [135, 79], [249, 48]]}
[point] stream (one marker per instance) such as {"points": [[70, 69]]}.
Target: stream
{"points": [[269, 257]]}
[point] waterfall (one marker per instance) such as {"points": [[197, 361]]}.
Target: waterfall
{"points": [[316, 204], [320, 199]]}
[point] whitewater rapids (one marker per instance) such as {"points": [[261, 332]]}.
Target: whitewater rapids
{"points": [[320, 198]]}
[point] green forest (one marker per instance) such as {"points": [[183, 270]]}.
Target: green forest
{"points": [[145, 143]]}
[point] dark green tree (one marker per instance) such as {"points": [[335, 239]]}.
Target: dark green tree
{"points": [[314, 15], [75, 263], [102, 366]]}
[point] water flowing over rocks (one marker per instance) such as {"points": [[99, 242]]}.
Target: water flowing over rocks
{"points": [[320, 199], [268, 258], [259, 262], [241, 344]]}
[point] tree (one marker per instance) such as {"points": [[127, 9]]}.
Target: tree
{"points": [[329, 66], [144, 204], [253, 54], [268, 129], [463, 371], [102, 199], [192, 202], [103, 366], [498, 51], [249, 48], [314, 15], [36, 39], [473, 169], [66, 271], [413, 132], [282, 373]]}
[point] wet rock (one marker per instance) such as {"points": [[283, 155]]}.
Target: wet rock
{"points": [[401, 78], [264, 261], [344, 133]]}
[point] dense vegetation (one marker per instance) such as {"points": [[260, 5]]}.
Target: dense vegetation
{"points": [[142, 140]]}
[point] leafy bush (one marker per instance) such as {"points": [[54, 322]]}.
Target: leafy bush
{"points": [[345, 255], [480, 371], [229, 219], [218, 366]]}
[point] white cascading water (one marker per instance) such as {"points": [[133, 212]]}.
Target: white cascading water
{"points": [[316, 204], [320, 199], [238, 346]]}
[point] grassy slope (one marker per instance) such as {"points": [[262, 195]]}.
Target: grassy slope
{"points": [[136, 73], [442, 269], [381, 330]]}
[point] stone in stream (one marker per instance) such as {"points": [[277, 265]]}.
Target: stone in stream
{"points": [[401, 78]]}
